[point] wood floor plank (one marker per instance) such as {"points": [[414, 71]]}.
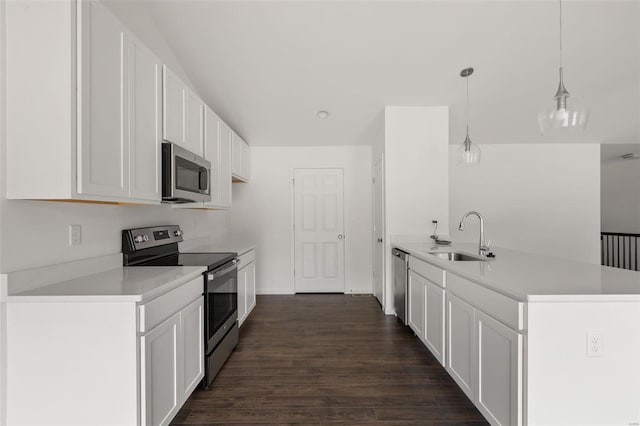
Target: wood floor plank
{"points": [[328, 359]]}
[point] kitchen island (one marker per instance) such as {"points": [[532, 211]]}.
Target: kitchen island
{"points": [[531, 339]]}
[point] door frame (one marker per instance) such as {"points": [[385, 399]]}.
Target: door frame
{"points": [[383, 271], [292, 221]]}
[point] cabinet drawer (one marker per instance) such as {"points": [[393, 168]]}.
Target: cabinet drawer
{"points": [[246, 258], [427, 270], [503, 308], [159, 309]]}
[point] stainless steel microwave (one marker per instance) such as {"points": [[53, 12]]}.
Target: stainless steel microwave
{"points": [[185, 175]]}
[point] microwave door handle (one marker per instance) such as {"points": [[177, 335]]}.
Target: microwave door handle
{"points": [[204, 180]]}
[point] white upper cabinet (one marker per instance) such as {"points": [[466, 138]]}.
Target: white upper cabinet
{"points": [[193, 127], [172, 107], [241, 162], [145, 92], [182, 113], [217, 149], [96, 133], [102, 105], [225, 163]]}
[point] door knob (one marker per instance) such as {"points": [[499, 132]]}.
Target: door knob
{"points": [[379, 240], [340, 236]]}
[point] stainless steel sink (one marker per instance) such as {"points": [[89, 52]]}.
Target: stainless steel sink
{"points": [[456, 256]]}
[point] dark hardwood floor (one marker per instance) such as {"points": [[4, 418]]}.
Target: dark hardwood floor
{"points": [[321, 359]]}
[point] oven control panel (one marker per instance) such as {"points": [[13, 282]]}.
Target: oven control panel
{"points": [[142, 238]]}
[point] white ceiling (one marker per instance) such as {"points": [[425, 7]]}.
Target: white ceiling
{"points": [[267, 67]]}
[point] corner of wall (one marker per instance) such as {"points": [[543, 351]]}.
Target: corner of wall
{"points": [[3, 191]]}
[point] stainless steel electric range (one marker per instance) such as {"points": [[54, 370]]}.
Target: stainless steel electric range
{"points": [[158, 246]]}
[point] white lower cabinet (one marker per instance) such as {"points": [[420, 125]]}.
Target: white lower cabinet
{"points": [[477, 334], [426, 311], [172, 353], [159, 372], [499, 354], [108, 362], [485, 358], [415, 316], [434, 333], [460, 344], [172, 363], [192, 331], [246, 285]]}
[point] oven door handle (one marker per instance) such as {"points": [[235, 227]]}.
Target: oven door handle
{"points": [[216, 274]]}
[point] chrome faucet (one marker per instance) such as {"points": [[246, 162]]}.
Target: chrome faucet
{"points": [[482, 247]]}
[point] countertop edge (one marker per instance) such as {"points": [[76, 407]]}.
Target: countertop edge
{"points": [[193, 273], [521, 297]]}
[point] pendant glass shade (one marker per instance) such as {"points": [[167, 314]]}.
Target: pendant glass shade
{"points": [[468, 152], [564, 111]]}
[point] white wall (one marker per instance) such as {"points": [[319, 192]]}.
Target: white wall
{"points": [[263, 209], [538, 198], [3, 311], [620, 192], [416, 177]]}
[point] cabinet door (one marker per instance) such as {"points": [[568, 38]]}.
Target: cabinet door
{"points": [[242, 294], [251, 287], [144, 122], [461, 354], [192, 339], [212, 152], [172, 107], [192, 122], [225, 164], [246, 161], [236, 155], [160, 373], [499, 355], [102, 145], [434, 318], [416, 304]]}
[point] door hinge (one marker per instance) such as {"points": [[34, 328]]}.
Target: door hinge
{"points": [[373, 180]]}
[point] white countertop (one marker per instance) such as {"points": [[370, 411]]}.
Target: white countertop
{"points": [[535, 278], [235, 243], [124, 284]]}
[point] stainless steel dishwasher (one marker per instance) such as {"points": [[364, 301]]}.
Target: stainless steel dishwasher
{"points": [[400, 264]]}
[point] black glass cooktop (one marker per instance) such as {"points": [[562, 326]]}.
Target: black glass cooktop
{"points": [[210, 260]]}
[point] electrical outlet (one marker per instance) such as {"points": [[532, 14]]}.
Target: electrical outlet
{"points": [[594, 343], [75, 235]]}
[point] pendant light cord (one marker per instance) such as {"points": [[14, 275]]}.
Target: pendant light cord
{"points": [[560, 18], [467, 78]]}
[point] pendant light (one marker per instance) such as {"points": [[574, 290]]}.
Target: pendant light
{"points": [[566, 111], [468, 152]]}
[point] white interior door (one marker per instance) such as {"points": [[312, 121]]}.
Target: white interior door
{"points": [[319, 230], [378, 232]]}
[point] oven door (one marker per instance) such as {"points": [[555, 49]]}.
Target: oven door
{"points": [[221, 303]]}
